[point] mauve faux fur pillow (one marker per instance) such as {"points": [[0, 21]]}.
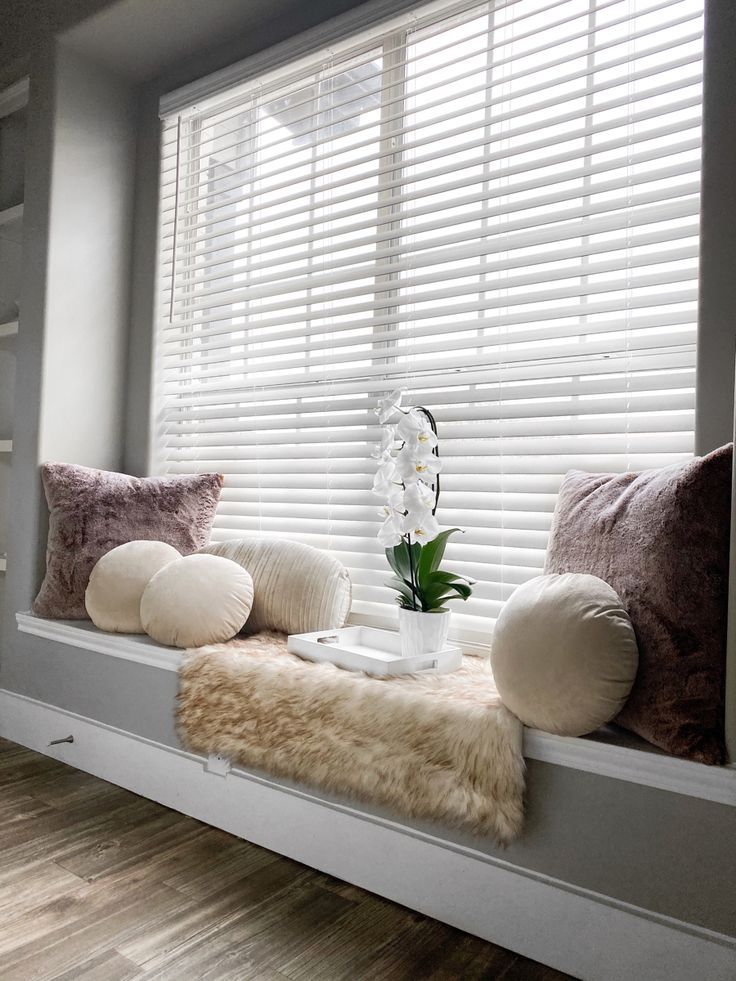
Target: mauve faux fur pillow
{"points": [[661, 539], [93, 511]]}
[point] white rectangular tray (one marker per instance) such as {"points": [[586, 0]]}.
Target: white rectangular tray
{"points": [[368, 649]]}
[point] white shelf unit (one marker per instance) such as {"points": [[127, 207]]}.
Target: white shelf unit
{"points": [[6, 446]]}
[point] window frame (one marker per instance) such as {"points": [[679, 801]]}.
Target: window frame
{"points": [[716, 339]]}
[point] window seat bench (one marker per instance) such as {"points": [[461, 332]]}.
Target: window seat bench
{"points": [[597, 851], [610, 752]]}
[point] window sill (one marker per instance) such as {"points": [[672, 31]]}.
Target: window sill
{"points": [[605, 753], [83, 633]]}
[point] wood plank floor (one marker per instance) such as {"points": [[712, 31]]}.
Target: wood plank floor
{"points": [[97, 884]]}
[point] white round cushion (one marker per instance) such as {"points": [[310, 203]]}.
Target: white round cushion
{"points": [[116, 584], [197, 600], [564, 654], [298, 588]]}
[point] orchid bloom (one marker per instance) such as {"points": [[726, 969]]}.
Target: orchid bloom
{"points": [[405, 480], [411, 422], [418, 497], [388, 406], [410, 468], [385, 479], [390, 532], [388, 438], [422, 527], [427, 440]]}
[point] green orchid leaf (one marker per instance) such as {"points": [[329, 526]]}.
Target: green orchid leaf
{"points": [[403, 588], [446, 577], [392, 561], [433, 552], [398, 559], [438, 593], [462, 591]]}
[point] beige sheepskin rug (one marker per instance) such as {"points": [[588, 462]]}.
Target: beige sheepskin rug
{"points": [[436, 747]]}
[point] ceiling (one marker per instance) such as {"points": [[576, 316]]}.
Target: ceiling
{"points": [[145, 39], [141, 39]]}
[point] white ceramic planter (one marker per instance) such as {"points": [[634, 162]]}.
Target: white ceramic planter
{"points": [[422, 633]]}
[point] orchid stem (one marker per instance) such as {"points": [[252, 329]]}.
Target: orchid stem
{"points": [[436, 451]]}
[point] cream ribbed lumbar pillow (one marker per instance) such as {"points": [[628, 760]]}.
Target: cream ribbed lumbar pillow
{"points": [[564, 654], [117, 581], [298, 588], [197, 600]]}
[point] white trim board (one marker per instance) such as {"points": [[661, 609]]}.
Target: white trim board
{"points": [[641, 766], [647, 767], [524, 911], [84, 634]]}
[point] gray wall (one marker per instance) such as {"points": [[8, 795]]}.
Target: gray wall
{"points": [[668, 853], [72, 342], [88, 266], [24, 22]]}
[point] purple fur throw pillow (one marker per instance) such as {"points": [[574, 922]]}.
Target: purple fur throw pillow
{"points": [[93, 511], [661, 539]]}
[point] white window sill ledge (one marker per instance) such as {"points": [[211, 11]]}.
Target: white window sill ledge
{"points": [[596, 754]]}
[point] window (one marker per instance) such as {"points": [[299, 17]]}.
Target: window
{"points": [[492, 205]]}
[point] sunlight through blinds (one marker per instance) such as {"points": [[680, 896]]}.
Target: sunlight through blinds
{"points": [[494, 206]]}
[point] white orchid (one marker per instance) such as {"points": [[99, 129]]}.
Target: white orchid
{"points": [[387, 407], [386, 479], [408, 482], [390, 533], [410, 467], [411, 422], [388, 438], [422, 443], [421, 526], [418, 497], [395, 504]]}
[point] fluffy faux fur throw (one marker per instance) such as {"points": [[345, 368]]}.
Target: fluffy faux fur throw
{"points": [[437, 747]]}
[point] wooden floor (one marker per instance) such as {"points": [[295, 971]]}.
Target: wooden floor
{"points": [[97, 884]]}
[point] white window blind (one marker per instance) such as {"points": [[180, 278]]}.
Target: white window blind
{"points": [[492, 205]]}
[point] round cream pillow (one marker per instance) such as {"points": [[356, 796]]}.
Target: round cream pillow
{"points": [[564, 654], [116, 584], [298, 588], [197, 600]]}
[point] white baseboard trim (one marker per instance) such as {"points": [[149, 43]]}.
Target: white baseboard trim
{"points": [[583, 933]]}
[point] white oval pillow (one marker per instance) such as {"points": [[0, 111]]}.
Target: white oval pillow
{"points": [[564, 654], [197, 600], [298, 588], [116, 584]]}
